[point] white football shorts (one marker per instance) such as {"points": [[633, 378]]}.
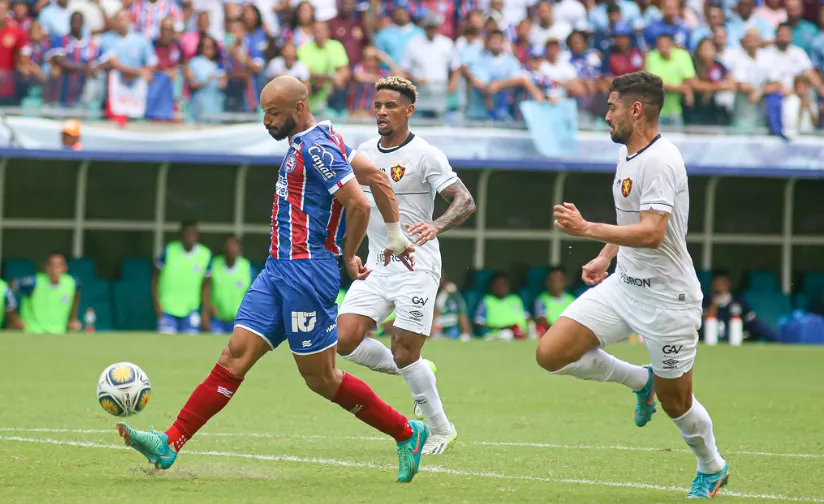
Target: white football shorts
{"points": [[411, 294], [671, 335]]}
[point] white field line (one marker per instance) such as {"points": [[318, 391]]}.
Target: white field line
{"points": [[479, 443], [431, 469]]}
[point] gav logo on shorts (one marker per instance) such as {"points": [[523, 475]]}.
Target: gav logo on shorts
{"points": [[303, 321], [638, 282], [671, 349], [420, 301]]}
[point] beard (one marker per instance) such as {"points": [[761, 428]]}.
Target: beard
{"points": [[284, 131], [620, 135], [782, 46]]}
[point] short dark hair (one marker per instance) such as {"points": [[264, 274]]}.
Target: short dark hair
{"points": [[785, 24], [641, 86], [402, 85], [556, 269], [721, 273], [189, 223], [613, 7]]}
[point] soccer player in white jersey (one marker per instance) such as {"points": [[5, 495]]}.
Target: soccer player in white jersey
{"points": [[417, 171], [654, 291]]}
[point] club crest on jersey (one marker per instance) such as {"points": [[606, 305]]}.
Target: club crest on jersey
{"points": [[626, 186], [290, 164], [396, 172]]}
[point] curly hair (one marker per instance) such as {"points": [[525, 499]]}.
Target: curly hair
{"points": [[399, 84]]}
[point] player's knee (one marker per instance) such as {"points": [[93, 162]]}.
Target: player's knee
{"points": [[322, 382], [550, 358], [404, 356], [675, 403], [347, 341]]}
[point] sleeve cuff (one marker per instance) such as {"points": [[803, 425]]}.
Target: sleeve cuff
{"points": [[341, 183], [352, 155], [446, 183], [659, 206]]}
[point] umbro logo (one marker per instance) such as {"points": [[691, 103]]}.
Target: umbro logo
{"points": [[670, 364]]}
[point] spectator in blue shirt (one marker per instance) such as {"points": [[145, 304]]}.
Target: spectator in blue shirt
{"points": [[393, 39], [744, 19], [714, 13], [126, 51], [599, 20], [670, 24], [54, 18], [803, 31]]}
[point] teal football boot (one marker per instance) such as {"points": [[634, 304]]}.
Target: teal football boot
{"points": [[409, 451], [153, 445], [705, 486], [645, 406]]}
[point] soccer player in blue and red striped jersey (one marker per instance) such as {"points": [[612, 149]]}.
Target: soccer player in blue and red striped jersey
{"points": [[293, 298]]}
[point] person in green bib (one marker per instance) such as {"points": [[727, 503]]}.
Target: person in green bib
{"points": [[180, 284], [501, 313], [9, 318], [674, 66], [552, 302], [328, 67], [50, 299], [232, 275]]}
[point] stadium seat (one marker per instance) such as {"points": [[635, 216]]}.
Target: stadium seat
{"points": [[472, 298], [17, 268], [536, 277], [96, 294], [481, 278], [705, 277], [257, 268], [133, 309], [762, 281], [769, 306], [801, 301], [83, 268], [813, 284], [136, 268], [528, 296]]}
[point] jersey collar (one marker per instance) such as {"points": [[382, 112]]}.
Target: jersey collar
{"points": [[657, 137], [409, 138], [296, 138]]}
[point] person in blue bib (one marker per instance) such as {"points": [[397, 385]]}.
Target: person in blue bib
{"points": [[232, 275], [180, 285]]}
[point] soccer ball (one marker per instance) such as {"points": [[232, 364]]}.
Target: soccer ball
{"points": [[123, 389]]}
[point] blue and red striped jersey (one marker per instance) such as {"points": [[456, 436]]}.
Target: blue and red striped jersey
{"points": [[307, 221]]}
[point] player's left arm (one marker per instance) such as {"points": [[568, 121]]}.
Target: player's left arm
{"points": [[438, 174], [13, 320], [206, 298], [658, 187]]}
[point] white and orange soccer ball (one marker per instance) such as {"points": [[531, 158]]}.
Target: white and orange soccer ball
{"points": [[123, 389]]}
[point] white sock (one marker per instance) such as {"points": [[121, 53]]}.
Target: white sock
{"points": [[374, 355], [421, 381], [598, 365], [696, 428]]}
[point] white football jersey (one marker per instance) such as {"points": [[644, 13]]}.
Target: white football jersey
{"points": [[417, 172], [655, 178]]}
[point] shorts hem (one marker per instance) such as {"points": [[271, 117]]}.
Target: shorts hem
{"points": [[670, 374], [400, 325], [327, 347], [602, 343], [356, 311], [258, 333]]}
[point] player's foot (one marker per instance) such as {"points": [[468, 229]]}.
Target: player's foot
{"points": [[417, 409], [439, 443], [646, 401], [409, 451], [153, 445], [705, 486]]}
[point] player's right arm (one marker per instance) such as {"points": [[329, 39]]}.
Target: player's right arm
{"points": [[159, 262], [369, 175], [353, 199]]}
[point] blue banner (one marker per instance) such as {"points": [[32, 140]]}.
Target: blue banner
{"points": [[552, 127]]}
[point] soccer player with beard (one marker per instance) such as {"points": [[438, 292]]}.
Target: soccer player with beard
{"points": [[418, 171], [294, 297], [654, 291]]}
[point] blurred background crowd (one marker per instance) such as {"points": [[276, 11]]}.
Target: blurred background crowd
{"points": [[742, 63]]}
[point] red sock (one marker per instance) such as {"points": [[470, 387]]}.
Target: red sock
{"points": [[205, 402], [356, 397]]}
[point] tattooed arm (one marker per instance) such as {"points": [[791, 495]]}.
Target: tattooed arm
{"points": [[649, 233], [461, 206]]}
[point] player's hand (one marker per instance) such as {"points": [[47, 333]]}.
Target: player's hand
{"points": [[595, 271], [356, 269], [406, 257], [206, 322], [425, 231], [569, 220]]}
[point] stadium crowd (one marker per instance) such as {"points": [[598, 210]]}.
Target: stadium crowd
{"points": [[724, 62]]}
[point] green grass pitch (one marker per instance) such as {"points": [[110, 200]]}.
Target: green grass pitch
{"points": [[525, 436]]}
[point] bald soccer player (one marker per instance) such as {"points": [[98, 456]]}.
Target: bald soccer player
{"points": [[293, 298]]}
